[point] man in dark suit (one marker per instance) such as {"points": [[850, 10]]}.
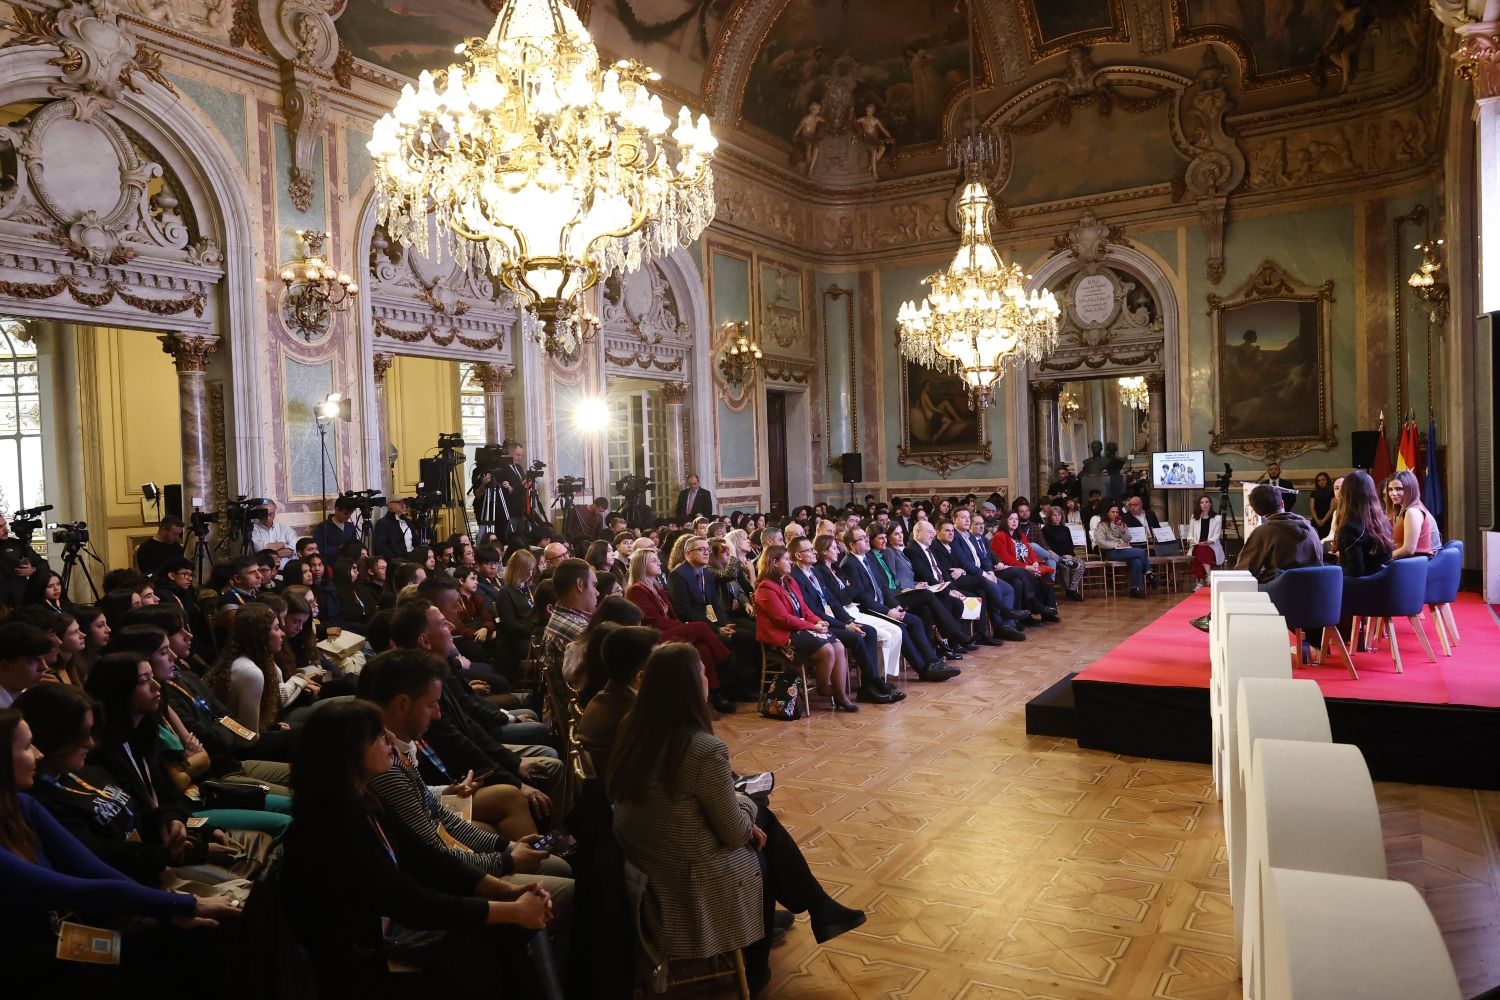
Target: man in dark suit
{"points": [[392, 538], [964, 568], [1288, 488], [903, 516], [867, 593], [694, 502], [697, 597], [858, 640], [1028, 592]]}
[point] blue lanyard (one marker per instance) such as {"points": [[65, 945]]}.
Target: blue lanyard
{"points": [[433, 759]]}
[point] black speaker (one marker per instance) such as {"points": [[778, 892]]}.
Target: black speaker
{"points": [[1362, 448], [434, 475], [852, 465], [171, 500]]}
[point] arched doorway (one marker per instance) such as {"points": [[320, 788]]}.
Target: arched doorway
{"points": [[1120, 320]]}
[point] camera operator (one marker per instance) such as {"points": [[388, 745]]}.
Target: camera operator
{"points": [[331, 535], [509, 513], [18, 561], [591, 519], [265, 533], [164, 546], [392, 538]]}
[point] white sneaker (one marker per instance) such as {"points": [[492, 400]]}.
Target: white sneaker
{"points": [[1197, 585]]}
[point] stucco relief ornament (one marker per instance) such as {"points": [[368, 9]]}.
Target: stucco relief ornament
{"points": [[1218, 164], [100, 56]]}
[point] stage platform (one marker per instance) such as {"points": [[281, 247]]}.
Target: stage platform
{"points": [[1434, 724]]}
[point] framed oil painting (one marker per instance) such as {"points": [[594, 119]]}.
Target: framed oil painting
{"points": [[1054, 26], [940, 428], [1272, 368]]}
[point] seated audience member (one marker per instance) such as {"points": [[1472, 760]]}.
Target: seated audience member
{"points": [[701, 593], [476, 614], [1206, 532], [858, 641], [933, 570], [784, 622], [23, 658], [267, 534], [716, 863], [236, 756], [647, 592], [246, 677], [1364, 542], [513, 608], [1112, 539], [357, 905], [866, 590], [46, 871], [624, 654], [890, 637], [296, 573], [1013, 548], [96, 633], [407, 687], [602, 556], [1138, 515], [166, 544], [354, 612], [1289, 543], [370, 580], [1059, 540], [392, 537], [1012, 593], [67, 642], [1031, 531], [583, 665], [331, 535], [939, 610], [1414, 531], [43, 590]]}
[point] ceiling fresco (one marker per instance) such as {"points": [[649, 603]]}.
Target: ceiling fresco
{"points": [[408, 36], [834, 59]]}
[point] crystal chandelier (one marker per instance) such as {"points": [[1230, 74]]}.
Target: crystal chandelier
{"points": [[977, 320], [547, 168], [315, 290], [1134, 393]]}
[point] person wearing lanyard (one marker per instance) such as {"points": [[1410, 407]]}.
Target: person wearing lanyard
{"points": [[783, 621], [857, 639]]}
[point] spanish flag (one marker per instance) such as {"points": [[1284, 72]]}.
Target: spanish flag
{"points": [[1408, 448]]}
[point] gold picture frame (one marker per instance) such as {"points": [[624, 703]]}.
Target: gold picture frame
{"points": [[1272, 367], [941, 429]]}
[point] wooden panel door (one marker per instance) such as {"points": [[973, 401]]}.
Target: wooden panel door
{"points": [[776, 452]]}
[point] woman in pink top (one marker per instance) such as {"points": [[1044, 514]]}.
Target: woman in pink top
{"points": [[1414, 530]]}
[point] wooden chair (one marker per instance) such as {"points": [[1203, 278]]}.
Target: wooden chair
{"points": [[774, 663]]}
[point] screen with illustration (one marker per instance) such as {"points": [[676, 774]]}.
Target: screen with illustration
{"points": [[1177, 470]]}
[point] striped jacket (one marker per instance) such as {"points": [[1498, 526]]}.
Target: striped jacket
{"points": [[411, 803]]}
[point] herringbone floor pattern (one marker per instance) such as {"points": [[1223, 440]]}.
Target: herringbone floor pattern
{"points": [[997, 866]]}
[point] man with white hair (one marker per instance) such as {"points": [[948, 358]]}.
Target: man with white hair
{"points": [[267, 534]]}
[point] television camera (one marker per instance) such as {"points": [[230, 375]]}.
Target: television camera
{"points": [[25, 523], [633, 489]]}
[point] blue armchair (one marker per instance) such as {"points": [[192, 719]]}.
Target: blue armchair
{"points": [[1309, 599], [1398, 590], [1443, 572]]}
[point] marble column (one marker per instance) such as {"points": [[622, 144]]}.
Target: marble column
{"points": [[1047, 420], [387, 483], [492, 379], [1156, 387], [674, 395], [190, 356]]}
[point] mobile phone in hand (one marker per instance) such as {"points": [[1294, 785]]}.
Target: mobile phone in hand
{"points": [[544, 845]]}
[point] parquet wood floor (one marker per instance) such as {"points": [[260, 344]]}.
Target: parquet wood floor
{"points": [[998, 866]]}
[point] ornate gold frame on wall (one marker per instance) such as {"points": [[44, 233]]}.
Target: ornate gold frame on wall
{"points": [[943, 461], [1116, 31], [1271, 283]]}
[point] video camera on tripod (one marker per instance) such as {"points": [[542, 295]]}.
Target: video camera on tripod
{"points": [[568, 487], [70, 535], [1224, 479], [534, 473], [633, 488], [364, 501], [25, 523]]}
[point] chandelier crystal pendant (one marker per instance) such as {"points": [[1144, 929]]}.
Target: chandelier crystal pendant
{"points": [[977, 320], [1134, 393], [545, 167]]}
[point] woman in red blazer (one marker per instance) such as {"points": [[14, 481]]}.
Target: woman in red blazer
{"points": [[647, 593], [1011, 547], [783, 619]]}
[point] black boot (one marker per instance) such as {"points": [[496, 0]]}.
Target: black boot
{"points": [[832, 919]]}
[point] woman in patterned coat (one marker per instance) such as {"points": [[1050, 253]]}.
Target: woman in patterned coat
{"points": [[716, 863]]}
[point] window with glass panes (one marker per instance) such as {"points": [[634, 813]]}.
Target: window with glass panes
{"points": [[636, 443], [470, 404], [20, 420]]}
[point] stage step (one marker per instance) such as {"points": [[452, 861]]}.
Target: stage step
{"points": [[1052, 712]]}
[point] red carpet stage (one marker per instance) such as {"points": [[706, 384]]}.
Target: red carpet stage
{"points": [[1437, 723]]}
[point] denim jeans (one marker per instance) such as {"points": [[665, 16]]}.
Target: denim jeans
{"points": [[1138, 561]]}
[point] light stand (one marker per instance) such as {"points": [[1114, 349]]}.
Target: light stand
{"points": [[335, 406]]}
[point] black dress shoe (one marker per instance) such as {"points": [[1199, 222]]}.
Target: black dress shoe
{"points": [[872, 696], [952, 657], [720, 702], [935, 672], [988, 640], [1136, 593], [835, 920], [1013, 634], [1074, 595], [1051, 615], [895, 694], [969, 647], [839, 706]]}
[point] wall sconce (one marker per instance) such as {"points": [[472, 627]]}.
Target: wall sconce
{"points": [[315, 290], [1428, 281], [741, 357]]}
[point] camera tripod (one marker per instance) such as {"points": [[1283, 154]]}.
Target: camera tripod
{"points": [[202, 552], [1226, 512], [72, 552]]}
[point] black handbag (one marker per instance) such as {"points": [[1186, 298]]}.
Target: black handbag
{"points": [[233, 795], [785, 700]]}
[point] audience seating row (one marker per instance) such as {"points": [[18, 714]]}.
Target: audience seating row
{"points": [[1316, 917]]}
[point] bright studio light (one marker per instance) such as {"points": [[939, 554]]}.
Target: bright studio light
{"points": [[591, 415], [330, 408]]}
